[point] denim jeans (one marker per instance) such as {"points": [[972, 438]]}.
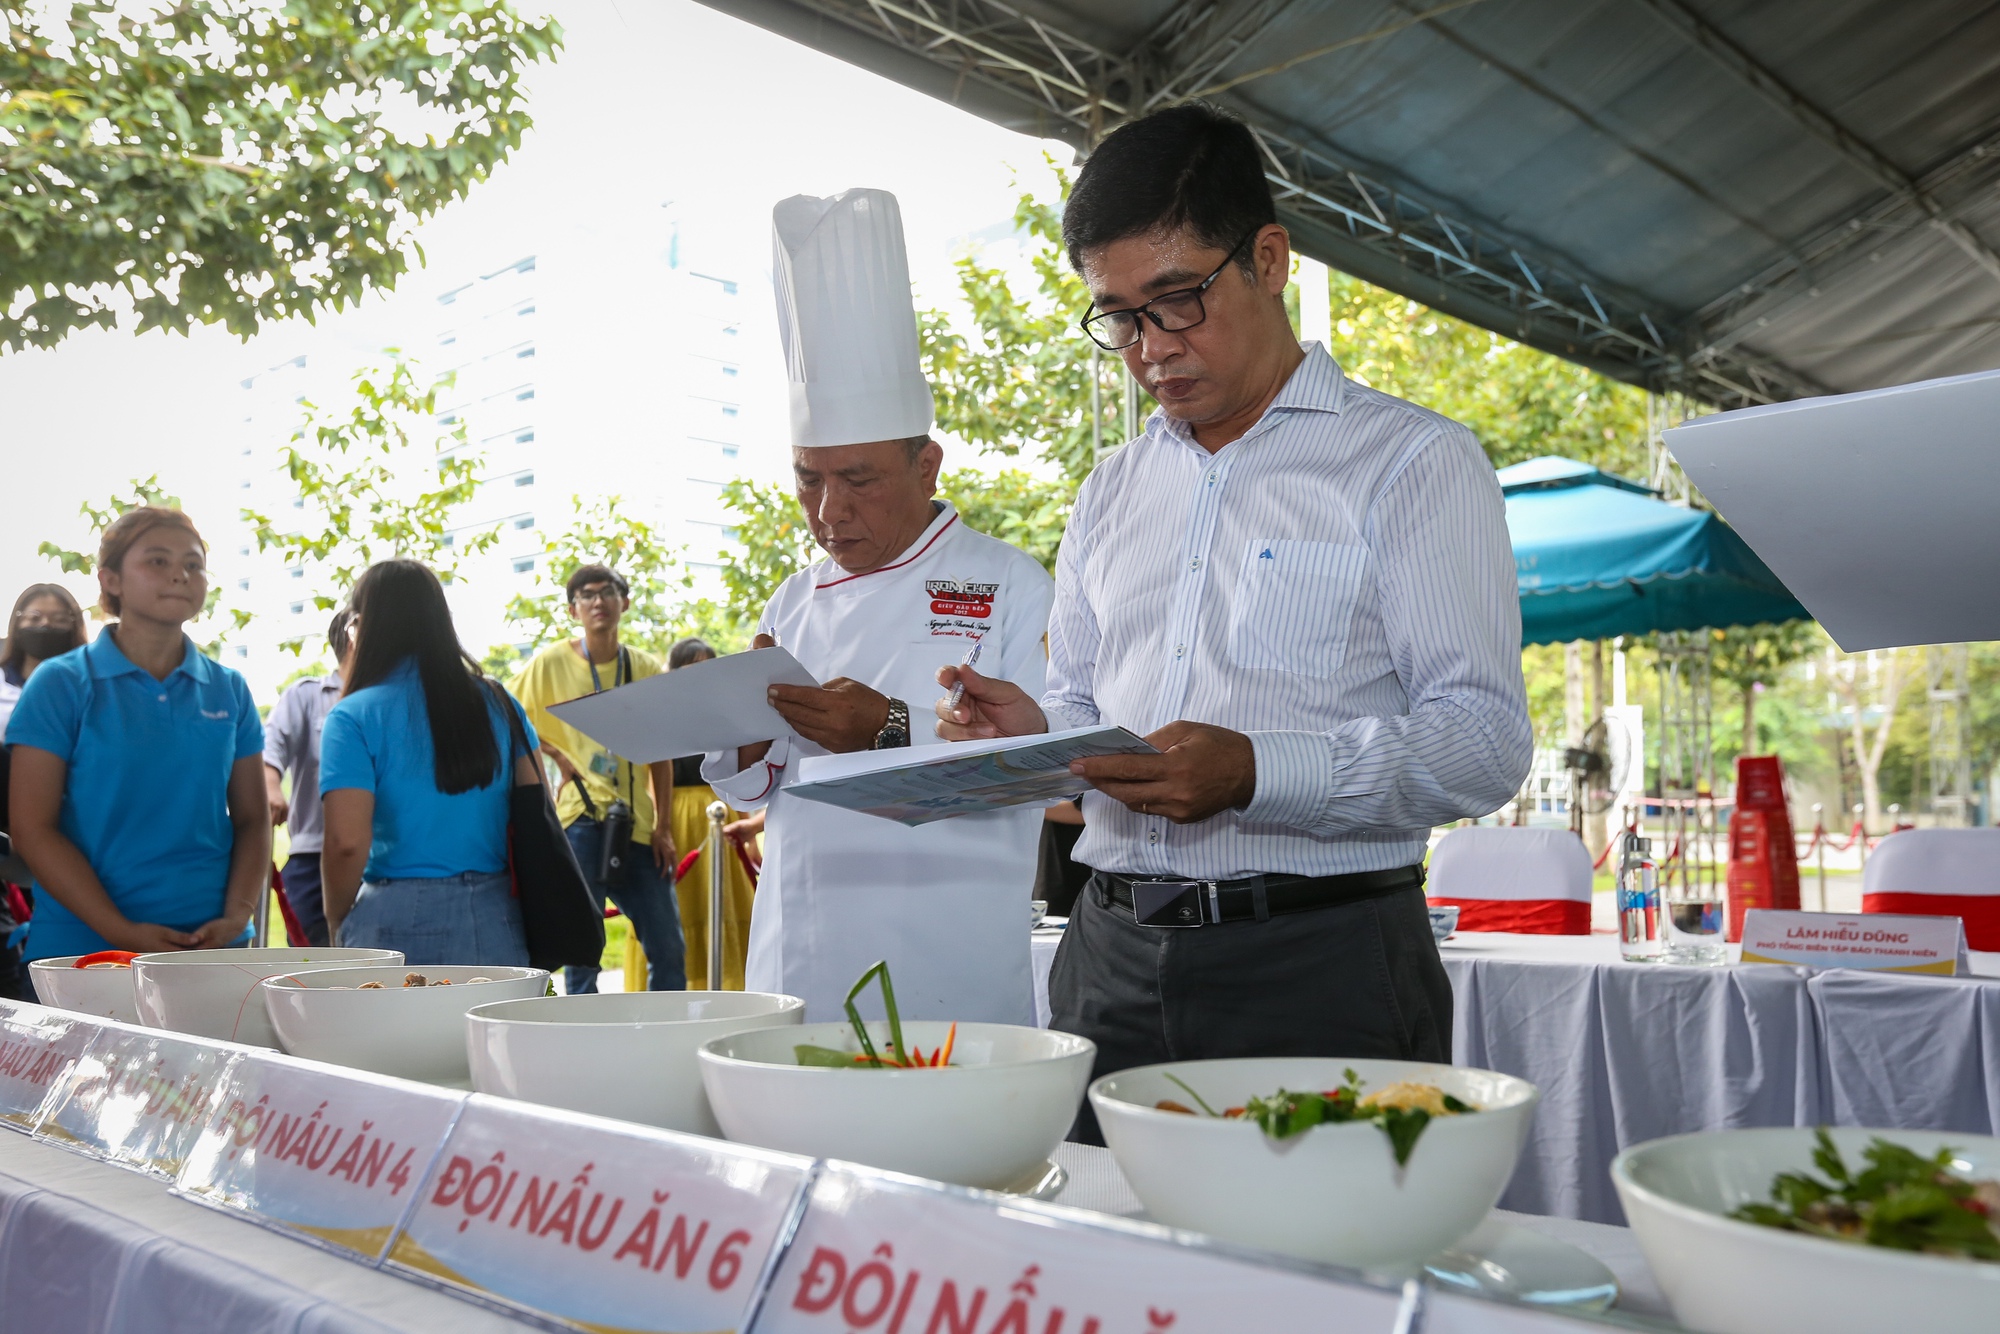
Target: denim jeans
{"points": [[471, 918], [302, 891], [647, 900]]}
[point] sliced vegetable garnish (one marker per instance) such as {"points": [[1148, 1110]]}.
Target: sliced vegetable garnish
{"points": [[898, 1057], [115, 958], [1903, 1201]]}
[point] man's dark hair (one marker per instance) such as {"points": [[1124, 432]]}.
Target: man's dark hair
{"points": [[1189, 166], [586, 575], [336, 634]]}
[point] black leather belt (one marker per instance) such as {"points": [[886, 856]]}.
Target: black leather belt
{"points": [[1166, 902]]}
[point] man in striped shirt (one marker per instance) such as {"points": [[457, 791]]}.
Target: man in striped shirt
{"points": [[1301, 591]]}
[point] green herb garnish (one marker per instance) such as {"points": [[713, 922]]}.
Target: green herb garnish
{"points": [[1902, 1200], [899, 1057], [1284, 1114]]}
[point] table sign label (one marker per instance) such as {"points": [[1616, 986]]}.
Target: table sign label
{"points": [[334, 1156], [599, 1223], [1882, 942], [893, 1255], [139, 1097], [38, 1048]]}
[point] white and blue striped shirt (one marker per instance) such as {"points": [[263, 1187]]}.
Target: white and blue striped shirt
{"points": [[1337, 584]]}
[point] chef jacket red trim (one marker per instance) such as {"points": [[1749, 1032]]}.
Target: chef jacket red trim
{"points": [[918, 554], [771, 772]]}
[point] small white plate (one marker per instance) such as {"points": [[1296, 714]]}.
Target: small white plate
{"points": [[1500, 1259]]}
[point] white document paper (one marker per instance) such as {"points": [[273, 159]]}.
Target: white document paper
{"points": [[1876, 509], [705, 706], [928, 783]]}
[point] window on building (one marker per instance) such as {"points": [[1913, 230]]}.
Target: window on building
{"points": [[447, 540], [523, 395], [298, 502], [447, 339], [525, 565], [524, 479], [298, 572], [244, 584], [242, 651], [246, 483], [728, 285], [730, 410], [524, 353], [729, 371], [525, 521], [525, 437], [298, 609], [731, 451], [447, 298]]}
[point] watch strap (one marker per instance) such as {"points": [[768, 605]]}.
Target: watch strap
{"points": [[895, 732]]}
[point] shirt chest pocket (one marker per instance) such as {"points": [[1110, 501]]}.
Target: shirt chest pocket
{"points": [[1294, 605]]}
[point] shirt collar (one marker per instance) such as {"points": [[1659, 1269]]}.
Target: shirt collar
{"points": [[1316, 384], [943, 515], [331, 681], [107, 660]]}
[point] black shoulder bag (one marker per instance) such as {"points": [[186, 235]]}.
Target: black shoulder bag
{"points": [[561, 919]]}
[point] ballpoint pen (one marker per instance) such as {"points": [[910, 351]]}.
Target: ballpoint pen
{"points": [[971, 657]]}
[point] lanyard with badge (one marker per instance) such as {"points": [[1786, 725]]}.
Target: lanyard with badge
{"points": [[619, 819]]}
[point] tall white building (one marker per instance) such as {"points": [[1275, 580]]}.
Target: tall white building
{"points": [[586, 364]]}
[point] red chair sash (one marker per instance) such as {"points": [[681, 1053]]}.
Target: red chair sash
{"points": [[1529, 917], [1981, 912]]}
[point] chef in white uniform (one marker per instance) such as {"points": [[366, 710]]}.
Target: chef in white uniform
{"points": [[906, 589]]}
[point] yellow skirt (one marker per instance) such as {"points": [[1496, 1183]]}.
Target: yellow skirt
{"points": [[691, 831]]}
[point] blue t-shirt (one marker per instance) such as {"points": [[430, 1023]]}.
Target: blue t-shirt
{"points": [[378, 739], [147, 795]]}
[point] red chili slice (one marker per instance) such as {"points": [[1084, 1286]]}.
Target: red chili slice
{"points": [[123, 958]]}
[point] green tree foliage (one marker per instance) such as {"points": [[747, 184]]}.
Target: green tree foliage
{"points": [[774, 541], [1521, 403], [217, 621], [233, 161], [1751, 658], [375, 477], [604, 532], [1018, 508]]}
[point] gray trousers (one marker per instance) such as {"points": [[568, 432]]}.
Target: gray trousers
{"points": [[1361, 979]]}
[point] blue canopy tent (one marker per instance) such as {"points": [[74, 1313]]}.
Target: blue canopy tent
{"points": [[1599, 556]]}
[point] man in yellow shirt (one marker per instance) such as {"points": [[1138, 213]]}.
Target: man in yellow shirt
{"points": [[601, 792]]}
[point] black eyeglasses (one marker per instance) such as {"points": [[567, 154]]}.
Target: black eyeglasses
{"points": [[1116, 330]]}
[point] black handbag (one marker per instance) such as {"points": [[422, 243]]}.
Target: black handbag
{"points": [[564, 927]]}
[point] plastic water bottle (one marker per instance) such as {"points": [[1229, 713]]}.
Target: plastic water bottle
{"points": [[1641, 931]]}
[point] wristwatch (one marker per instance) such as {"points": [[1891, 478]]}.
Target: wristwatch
{"points": [[895, 732]]}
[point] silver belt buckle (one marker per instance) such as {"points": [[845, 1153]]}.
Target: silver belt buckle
{"points": [[1175, 903]]}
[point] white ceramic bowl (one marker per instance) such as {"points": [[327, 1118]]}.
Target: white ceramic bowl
{"points": [[104, 992], [987, 1120], [1726, 1277], [410, 1032], [625, 1054], [213, 993], [1444, 921], [1332, 1194]]}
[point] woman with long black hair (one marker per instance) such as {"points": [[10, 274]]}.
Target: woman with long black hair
{"points": [[415, 765]]}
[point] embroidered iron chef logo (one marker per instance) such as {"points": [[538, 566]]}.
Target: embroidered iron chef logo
{"points": [[950, 597]]}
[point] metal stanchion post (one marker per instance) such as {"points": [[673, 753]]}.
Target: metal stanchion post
{"points": [[260, 934], [1819, 845], [717, 813]]}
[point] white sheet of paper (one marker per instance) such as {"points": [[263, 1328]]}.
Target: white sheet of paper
{"points": [[926, 783], [1876, 509], [705, 706]]}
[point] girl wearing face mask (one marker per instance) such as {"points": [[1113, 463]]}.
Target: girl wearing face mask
{"points": [[138, 772], [46, 624]]}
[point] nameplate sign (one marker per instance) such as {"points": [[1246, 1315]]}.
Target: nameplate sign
{"points": [[894, 1255], [1882, 942], [38, 1048], [599, 1223], [333, 1156], [139, 1097]]}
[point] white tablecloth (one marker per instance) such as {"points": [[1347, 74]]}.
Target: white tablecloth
{"points": [[89, 1247], [1625, 1053]]}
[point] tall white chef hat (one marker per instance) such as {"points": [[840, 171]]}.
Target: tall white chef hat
{"points": [[847, 321]]}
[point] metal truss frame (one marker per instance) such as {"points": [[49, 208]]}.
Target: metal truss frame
{"points": [[1010, 62]]}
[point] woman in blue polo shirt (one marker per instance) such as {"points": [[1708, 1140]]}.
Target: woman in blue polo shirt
{"points": [[138, 782], [415, 764]]}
